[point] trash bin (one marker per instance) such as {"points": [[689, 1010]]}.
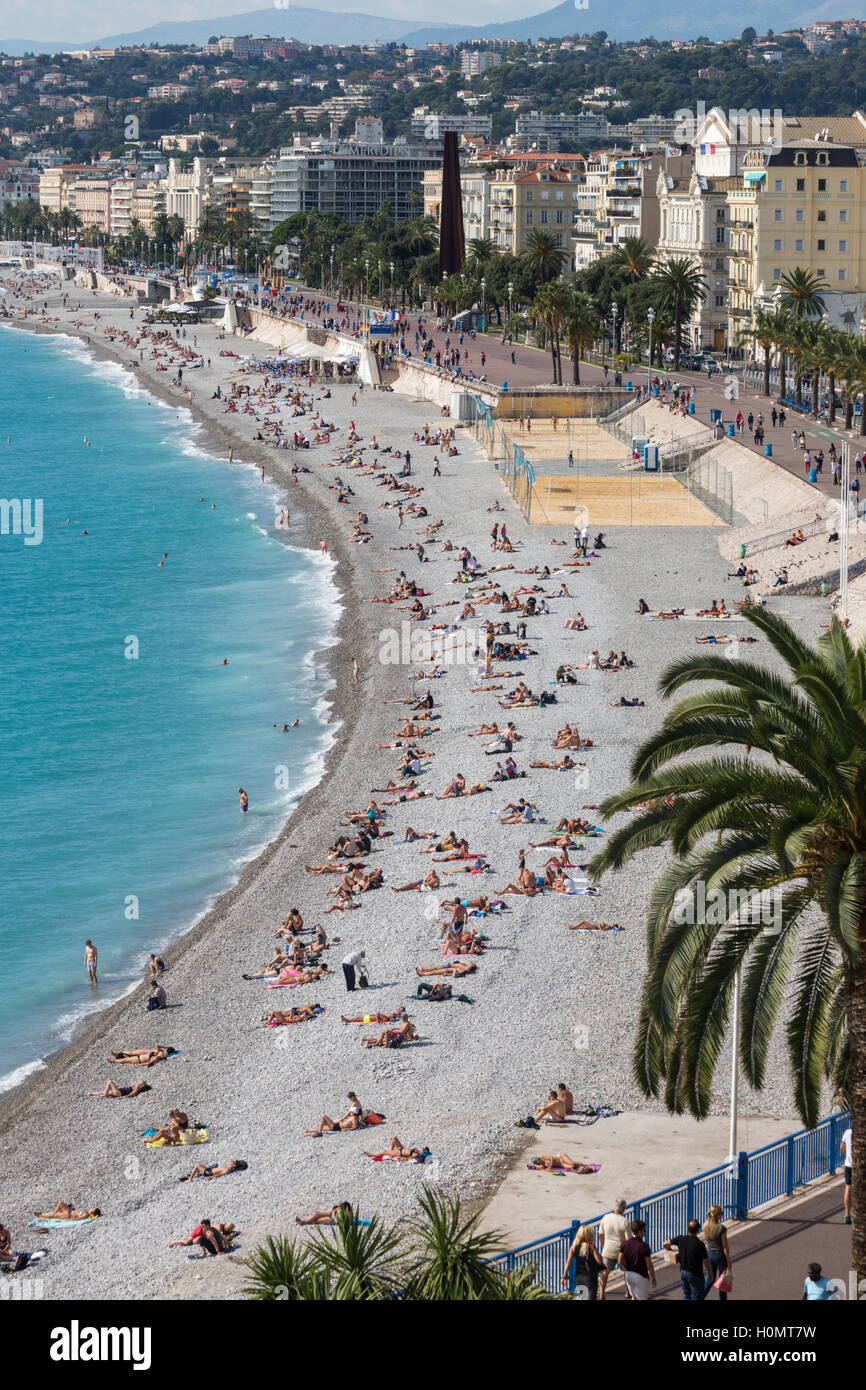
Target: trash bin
{"points": [[768, 451], [691, 407], [743, 551], [628, 386], [730, 431], [715, 415], [813, 475], [825, 588], [504, 386]]}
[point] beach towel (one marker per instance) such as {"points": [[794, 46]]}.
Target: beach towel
{"points": [[51, 1223]]}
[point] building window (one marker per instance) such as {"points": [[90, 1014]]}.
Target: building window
{"points": [[843, 246], [777, 214], [529, 217], [843, 215], [843, 185], [778, 185], [822, 215], [800, 157], [822, 245], [798, 244], [777, 244], [559, 197], [720, 301], [822, 185], [720, 235], [544, 195], [801, 183], [529, 195], [559, 214], [841, 274], [545, 216], [799, 214], [720, 263], [777, 274]]}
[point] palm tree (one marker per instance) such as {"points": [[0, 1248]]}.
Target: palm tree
{"points": [[801, 293], [582, 326], [769, 331], [855, 380], [481, 252], [783, 824], [543, 256], [634, 256], [445, 1258], [451, 1259], [681, 289], [551, 307]]}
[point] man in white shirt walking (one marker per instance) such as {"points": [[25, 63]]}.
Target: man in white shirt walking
{"points": [[613, 1230], [848, 1161]]}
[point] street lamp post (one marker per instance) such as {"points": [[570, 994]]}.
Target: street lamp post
{"points": [[391, 268], [650, 315], [510, 297], [331, 282], [483, 294], [614, 309], [366, 277], [381, 294]]}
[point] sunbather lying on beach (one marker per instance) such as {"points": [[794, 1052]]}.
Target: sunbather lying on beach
{"points": [[393, 1037], [210, 1170], [458, 969], [65, 1211], [279, 1018], [563, 765], [594, 926], [550, 1161], [143, 1056], [114, 1092], [399, 1153], [325, 1218], [377, 1018]]}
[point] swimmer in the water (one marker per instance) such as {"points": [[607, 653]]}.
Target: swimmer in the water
{"points": [[225, 661], [245, 801]]}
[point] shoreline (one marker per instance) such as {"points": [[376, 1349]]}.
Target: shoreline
{"points": [[539, 986], [14, 1101]]}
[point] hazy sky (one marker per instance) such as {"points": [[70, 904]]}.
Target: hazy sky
{"points": [[58, 20]]}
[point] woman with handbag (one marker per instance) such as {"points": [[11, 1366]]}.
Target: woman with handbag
{"points": [[715, 1237], [587, 1264]]}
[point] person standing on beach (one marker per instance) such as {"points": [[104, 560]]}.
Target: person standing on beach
{"points": [[245, 801], [356, 670], [350, 963], [90, 961]]}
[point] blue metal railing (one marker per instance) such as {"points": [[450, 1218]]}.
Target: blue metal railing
{"points": [[749, 1182]]}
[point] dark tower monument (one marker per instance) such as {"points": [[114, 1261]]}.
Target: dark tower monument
{"points": [[451, 245]]}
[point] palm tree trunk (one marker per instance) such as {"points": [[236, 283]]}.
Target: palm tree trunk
{"points": [[849, 412], [782, 382], [855, 993], [798, 389], [863, 416], [831, 384], [678, 332], [766, 369], [575, 364]]}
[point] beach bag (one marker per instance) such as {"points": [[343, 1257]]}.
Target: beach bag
{"points": [[724, 1283], [372, 1118], [363, 982]]}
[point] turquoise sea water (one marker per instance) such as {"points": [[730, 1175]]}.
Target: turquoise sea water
{"points": [[123, 738]]}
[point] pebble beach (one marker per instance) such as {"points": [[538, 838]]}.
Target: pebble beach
{"points": [[549, 1003]]}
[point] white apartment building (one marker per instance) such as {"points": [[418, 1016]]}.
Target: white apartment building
{"points": [[345, 178], [432, 125], [580, 129], [474, 61], [695, 225]]}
